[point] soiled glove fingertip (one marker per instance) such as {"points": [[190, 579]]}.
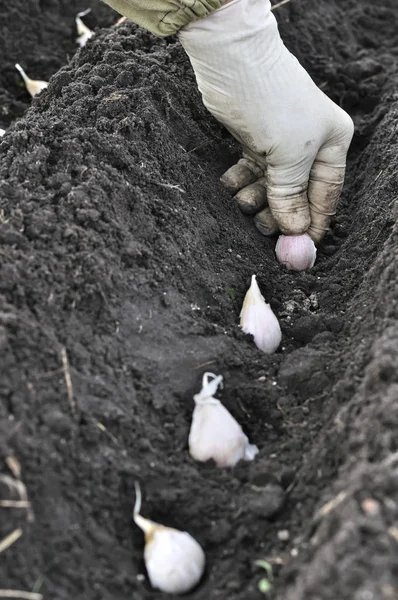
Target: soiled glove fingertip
{"points": [[237, 177]]}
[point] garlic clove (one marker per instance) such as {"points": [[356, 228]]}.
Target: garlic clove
{"points": [[174, 560], [34, 86], [2, 132], [84, 33], [214, 433], [258, 319], [296, 252]]}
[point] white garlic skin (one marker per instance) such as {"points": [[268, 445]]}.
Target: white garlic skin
{"points": [[34, 86], [84, 33], [296, 252], [83, 39], [174, 560], [2, 132], [258, 319], [215, 434]]}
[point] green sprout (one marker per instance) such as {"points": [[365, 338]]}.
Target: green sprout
{"points": [[231, 293], [265, 584]]}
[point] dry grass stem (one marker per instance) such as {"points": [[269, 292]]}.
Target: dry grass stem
{"points": [[18, 487], [331, 505], [14, 504], [169, 186], [279, 4], [10, 539], [102, 428], [14, 465], [206, 143], [20, 594], [68, 379]]}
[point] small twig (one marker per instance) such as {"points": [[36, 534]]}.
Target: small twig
{"points": [[68, 380], [20, 594], [279, 4], [10, 539]]}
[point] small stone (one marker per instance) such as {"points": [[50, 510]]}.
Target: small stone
{"points": [[370, 507], [283, 535]]}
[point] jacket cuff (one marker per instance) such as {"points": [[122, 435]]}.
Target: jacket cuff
{"points": [[164, 17]]}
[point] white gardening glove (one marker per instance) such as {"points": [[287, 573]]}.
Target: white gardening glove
{"points": [[294, 138]]}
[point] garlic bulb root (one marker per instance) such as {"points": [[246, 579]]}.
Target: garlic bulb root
{"points": [[258, 319], [174, 560], [214, 433]]}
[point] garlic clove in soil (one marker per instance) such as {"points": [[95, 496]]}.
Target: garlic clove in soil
{"points": [[174, 560], [296, 252], [2, 132], [84, 33], [258, 319], [215, 434], [34, 86]]}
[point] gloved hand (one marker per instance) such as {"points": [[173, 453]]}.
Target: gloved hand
{"points": [[294, 138]]}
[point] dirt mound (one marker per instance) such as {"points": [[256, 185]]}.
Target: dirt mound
{"points": [[41, 35], [124, 264]]}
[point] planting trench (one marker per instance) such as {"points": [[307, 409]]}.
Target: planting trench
{"points": [[121, 251]]}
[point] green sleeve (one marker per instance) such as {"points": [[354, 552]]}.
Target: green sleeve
{"points": [[164, 17]]}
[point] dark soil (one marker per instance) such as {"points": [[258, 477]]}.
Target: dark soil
{"points": [[121, 250], [41, 36]]}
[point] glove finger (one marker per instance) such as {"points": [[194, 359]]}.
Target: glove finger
{"points": [[245, 172], [252, 198], [327, 176], [324, 189], [265, 222], [287, 198]]}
